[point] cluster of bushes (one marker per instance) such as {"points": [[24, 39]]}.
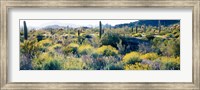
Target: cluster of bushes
{"points": [[166, 47], [113, 51], [49, 55], [107, 51], [150, 61]]}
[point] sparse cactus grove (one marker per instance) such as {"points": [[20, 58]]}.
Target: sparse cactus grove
{"points": [[139, 45]]}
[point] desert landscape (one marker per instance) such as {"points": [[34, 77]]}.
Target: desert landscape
{"points": [[134, 45]]}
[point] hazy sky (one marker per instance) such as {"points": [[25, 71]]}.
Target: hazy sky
{"points": [[42, 23]]}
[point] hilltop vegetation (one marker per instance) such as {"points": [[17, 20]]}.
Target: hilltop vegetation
{"points": [[137, 47]]}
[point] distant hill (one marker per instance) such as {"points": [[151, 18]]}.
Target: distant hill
{"points": [[52, 27], [148, 22]]}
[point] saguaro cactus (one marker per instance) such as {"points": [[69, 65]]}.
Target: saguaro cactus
{"points": [[159, 26], [25, 31], [100, 29], [79, 38], [144, 28], [132, 29], [78, 32], [136, 29]]}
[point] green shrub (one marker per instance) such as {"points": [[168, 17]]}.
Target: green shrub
{"points": [[132, 58], [158, 45], [157, 41], [166, 47], [48, 61], [110, 38], [121, 48], [170, 63], [172, 66], [175, 31], [92, 63], [52, 65], [145, 47], [172, 48], [163, 32], [114, 66], [95, 42], [80, 39], [73, 63], [169, 35], [38, 62], [102, 62], [40, 37], [177, 35], [150, 36], [107, 51]]}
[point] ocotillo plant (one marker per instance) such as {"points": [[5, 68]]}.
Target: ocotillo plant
{"points": [[159, 26], [100, 29], [25, 31]]}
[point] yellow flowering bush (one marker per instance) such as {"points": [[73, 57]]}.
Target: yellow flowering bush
{"points": [[48, 61], [38, 62], [54, 47], [137, 66], [45, 56], [170, 59], [29, 47], [137, 35], [132, 58], [73, 63], [73, 45], [85, 49], [170, 63], [107, 50], [71, 48], [149, 56], [46, 42]]}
